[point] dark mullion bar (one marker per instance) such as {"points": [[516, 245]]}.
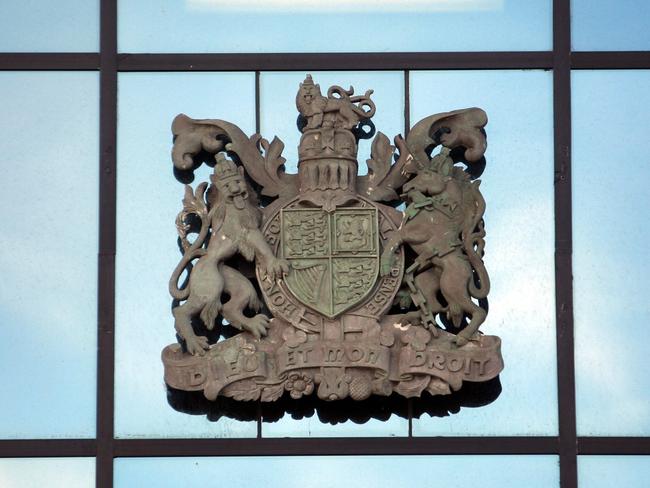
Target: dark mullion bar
{"points": [[106, 274], [237, 447], [610, 60], [258, 131], [47, 448], [336, 446], [257, 102], [614, 445], [563, 242], [48, 61], [407, 127], [334, 61], [359, 61], [407, 102]]}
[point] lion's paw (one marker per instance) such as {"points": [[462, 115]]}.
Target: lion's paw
{"points": [[257, 325], [277, 268], [197, 345], [460, 340]]}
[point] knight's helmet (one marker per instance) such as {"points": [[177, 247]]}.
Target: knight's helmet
{"points": [[327, 153]]}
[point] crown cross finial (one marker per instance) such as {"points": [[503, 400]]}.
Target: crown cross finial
{"points": [[308, 80], [224, 168]]}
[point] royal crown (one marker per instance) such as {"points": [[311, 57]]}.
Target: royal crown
{"points": [[224, 168]]}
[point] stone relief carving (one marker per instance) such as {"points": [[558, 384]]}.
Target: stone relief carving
{"points": [[233, 224], [349, 297]]}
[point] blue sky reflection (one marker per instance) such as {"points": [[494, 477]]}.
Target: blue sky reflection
{"points": [[519, 254], [48, 254], [319, 25], [610, 251], [328, 471], [149, 197]]}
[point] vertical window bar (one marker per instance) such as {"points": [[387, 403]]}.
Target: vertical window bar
{"points": [[257, 130], [407, 102], [407, 127], [106, 262], [563, 242]]}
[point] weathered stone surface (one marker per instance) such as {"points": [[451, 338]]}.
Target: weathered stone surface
{"points": [[344, 310], [383, 358]]}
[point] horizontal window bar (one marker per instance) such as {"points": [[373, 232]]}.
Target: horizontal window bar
{"points": [[335, 446], [610, 60], [326, 61], [47, 448], [334, 61], [614, 445], [322, 446], [49, 61]]}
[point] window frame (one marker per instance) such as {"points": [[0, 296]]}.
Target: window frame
{"points": [[561, 60]]}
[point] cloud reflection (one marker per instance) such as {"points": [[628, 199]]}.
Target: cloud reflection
{"points": [[337, 6], [50, 472]]}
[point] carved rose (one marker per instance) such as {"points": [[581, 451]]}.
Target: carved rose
{"points": [[299, 384]]}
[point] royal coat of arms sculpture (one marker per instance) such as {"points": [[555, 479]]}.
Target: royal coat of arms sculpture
{"points": [[349, 297]]}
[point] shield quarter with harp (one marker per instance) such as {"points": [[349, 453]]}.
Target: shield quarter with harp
{"points": [[334, 257]]}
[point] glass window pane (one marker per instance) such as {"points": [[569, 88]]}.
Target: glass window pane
{"points": [[47, 26], [48, 254], [310, 417], [608, 471], [606, 25], [278, 117], [334, 26], [50, 472], [328, 471], [610, 251], [519, 254], [149, 198]]}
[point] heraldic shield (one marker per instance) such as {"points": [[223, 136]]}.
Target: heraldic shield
{"points": [[333, 257], [350, 296]]}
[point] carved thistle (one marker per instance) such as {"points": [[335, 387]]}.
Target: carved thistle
{"points": [[345, 296]]}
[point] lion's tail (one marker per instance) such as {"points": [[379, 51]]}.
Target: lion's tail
{"points": [[455, 314], [210, 313], [473, 243], [182, 293], [254, 303]]}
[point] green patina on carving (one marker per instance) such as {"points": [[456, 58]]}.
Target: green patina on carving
{"points": [[334, 256]]}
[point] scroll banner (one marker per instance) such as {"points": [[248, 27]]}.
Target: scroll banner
{"points": [[348, 354], [470, 363], [236, 359], [226, 362]]}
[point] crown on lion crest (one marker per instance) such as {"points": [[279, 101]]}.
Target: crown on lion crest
{"points": [[328, 147]]}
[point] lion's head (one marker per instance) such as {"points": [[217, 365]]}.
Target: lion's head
{"points": [[229, 182], [309, 99], [230, 189]]}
